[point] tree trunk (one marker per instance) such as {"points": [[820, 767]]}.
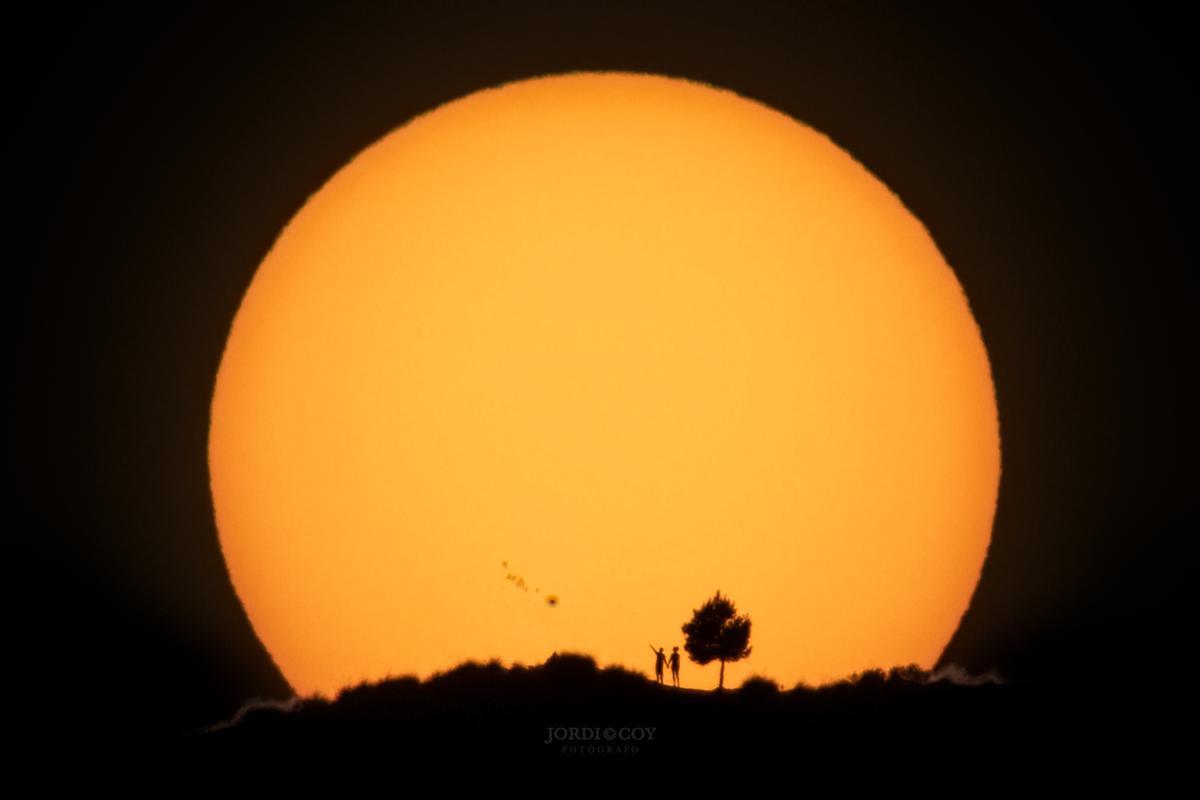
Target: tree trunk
{"points": [[721, 684]]}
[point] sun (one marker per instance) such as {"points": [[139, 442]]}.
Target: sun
{"points": [[543, 368]]}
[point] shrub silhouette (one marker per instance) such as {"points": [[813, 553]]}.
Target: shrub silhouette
{"points": [[909, 672], [717, 633], [760, 687], [869, 678]]}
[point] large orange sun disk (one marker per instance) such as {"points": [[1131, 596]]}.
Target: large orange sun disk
{"points": [[621, 339]]}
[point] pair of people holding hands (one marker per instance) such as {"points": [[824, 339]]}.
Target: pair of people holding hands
{"points": [[660, 658]]}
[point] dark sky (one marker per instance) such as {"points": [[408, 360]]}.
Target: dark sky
{"points": [[165, 150]]}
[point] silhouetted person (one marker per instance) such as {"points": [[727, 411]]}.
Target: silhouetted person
{"points": [[675, 667], [660, 658]]}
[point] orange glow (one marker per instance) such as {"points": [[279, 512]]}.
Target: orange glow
{"points": [[620, 340]]}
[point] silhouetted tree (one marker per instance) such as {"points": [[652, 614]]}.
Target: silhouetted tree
{"points": [[717, 633]]}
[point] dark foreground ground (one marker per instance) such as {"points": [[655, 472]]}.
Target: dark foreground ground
{"points": [[570, 711]]}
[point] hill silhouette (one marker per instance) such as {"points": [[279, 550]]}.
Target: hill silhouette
{"points": [[569, 708]]}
